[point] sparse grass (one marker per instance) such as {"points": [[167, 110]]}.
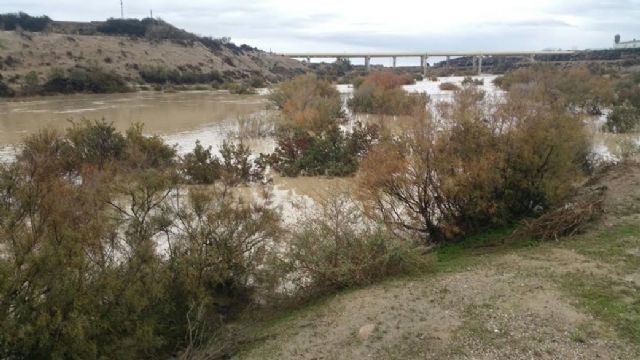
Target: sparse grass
{"points": [[612, 245], [614, 302], [609, 299], [476, 249]]}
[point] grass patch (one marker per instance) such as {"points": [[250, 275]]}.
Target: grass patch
{"points": [[617, 244], [475, 249], [611, 301]]}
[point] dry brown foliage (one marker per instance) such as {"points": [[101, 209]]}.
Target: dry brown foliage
{"points": [[567, 220], [308, 103], [473, 165]]}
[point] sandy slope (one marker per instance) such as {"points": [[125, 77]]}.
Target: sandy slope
{"points": [[41, 52]]}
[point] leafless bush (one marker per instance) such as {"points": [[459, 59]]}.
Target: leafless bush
{"points": [[567, 220]]}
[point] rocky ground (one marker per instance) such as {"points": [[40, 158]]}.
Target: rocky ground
{"points": [[576, 298]]}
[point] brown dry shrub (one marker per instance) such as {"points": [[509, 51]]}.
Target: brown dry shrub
{"points": [[475, 165], [308, 103]]}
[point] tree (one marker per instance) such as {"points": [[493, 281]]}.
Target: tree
{"points": [[616, 39]]}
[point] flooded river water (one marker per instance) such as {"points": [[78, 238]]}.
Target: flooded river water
{"points": [[181, 119]]}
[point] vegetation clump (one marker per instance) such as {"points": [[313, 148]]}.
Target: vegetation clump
{"points": [[623, 119], [448, 86], [233, 167], [337, 247], [5, 90], [490, 166], [333, 152], [239, 88], [127, 266], [578, 88], [468, 80], [310, 141], [158, 74], [93, 79], [381, 93], [11, 22], [308, 103], [625, 114]]}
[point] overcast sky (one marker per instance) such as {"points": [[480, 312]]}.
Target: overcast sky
{"points": [[348, 25]]}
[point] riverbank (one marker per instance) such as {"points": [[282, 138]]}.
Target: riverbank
{"points": [[569, 299]]}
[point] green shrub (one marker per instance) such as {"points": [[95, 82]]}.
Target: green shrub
{"points": [[239, 88], [129, 27], [200, 166], [158, 74], [234, 166], [5, 90], [95, 143], [468, 80], [144, 152], [31, 85], [10, 22], [332, 153], [79, 80], [623, 119]]}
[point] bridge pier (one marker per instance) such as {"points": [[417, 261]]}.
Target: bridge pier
{"points": [[447, 65], [424, 64], [394, 61], [532, 57], [480, 65], [367, 63]]}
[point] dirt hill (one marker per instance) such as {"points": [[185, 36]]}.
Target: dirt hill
{"points": [[68, 45]]}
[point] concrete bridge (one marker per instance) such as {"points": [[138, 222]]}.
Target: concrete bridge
{"points": [[424, 56]]}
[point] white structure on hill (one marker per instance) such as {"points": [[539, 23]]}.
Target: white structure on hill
{"points": [[633, 44]]}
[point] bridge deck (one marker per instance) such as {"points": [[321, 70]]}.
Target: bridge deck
{"points": [[419, 54]]}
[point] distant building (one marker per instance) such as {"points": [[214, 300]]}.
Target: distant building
{"points": [[633, 44]]}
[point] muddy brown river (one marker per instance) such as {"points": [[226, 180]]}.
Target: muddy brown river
{"points": [[181, 119]]}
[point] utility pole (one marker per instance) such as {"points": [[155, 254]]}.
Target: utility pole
{"points": [[121, 10]]}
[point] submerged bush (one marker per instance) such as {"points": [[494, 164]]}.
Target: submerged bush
{"points": [[308, 103], [239, 89], [447, 86], [468, 80], [333, 153], [577, 88], [623, 119], [234, 166], [381, 93]]}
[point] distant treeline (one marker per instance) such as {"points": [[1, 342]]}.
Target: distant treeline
{"points": [[10, 22]]}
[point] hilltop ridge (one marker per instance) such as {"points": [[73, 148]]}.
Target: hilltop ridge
{"points": [[128, 47]]}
